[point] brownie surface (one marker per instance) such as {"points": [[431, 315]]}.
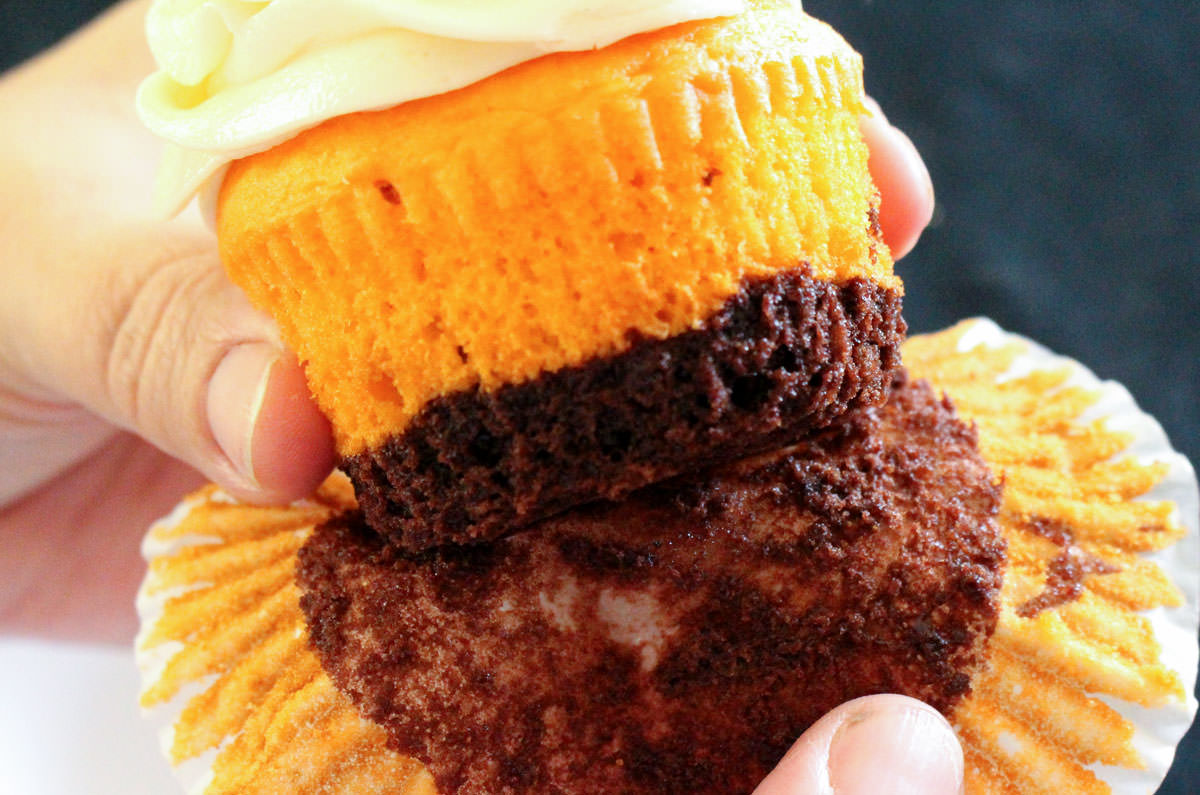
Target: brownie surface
{"points": [[680, 640], [784, 355]]}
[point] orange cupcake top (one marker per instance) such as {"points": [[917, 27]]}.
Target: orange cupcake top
{"points": [[533, 220]]}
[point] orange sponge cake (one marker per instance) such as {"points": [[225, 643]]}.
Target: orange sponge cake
{"points": [[586, 273]]}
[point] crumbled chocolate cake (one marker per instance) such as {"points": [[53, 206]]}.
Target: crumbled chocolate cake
{"points": [[680, 640], [1066, 571], [784, 355]]}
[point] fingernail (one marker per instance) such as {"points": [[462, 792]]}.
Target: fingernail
{"points": [[235, 399], [873, 108], [913, 162], [292, 445], [899, 750]]}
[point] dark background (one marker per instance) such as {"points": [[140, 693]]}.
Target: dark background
{"points": [[1064, 143]]}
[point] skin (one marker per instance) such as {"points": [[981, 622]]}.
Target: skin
{"points": [[131, 371]]}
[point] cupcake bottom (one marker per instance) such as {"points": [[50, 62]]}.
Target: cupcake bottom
{"points": [[1081, 689], [785, 354], [680, 640]]}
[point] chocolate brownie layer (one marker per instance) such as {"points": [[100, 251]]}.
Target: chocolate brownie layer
{"points": [[782, 356], [679, 641]]}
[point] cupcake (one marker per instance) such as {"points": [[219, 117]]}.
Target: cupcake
{"points": [[680, 637], [685, 635], [261, 641], [551, 279]]}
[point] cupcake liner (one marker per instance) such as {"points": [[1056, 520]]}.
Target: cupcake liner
{"points": [[1090, 695], [243, 704]]}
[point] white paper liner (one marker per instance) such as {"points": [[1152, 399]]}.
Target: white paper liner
{"points": [[1157, 732], [194, 774]]}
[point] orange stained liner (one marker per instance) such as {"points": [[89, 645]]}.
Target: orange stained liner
{"points": [[1033, 722], [536, 219]]}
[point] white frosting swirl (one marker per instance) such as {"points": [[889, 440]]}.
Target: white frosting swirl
{"points": [[237, 77]]}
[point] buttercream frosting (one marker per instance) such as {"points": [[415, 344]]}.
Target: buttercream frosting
{"points": [[238, 77]]}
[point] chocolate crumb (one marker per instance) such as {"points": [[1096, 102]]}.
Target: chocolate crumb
{"points": [[1064, 580], [680, 640], [388, 191]]}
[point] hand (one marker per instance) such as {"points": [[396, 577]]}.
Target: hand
{"points": [[130, 369], [905, 190], [877, 745]]}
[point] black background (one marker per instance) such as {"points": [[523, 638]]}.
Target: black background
{"points": [[1064, 143]]}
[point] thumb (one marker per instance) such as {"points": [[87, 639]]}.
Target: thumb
{"points": [[876, 745], [906, 200], [152, 336]]}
